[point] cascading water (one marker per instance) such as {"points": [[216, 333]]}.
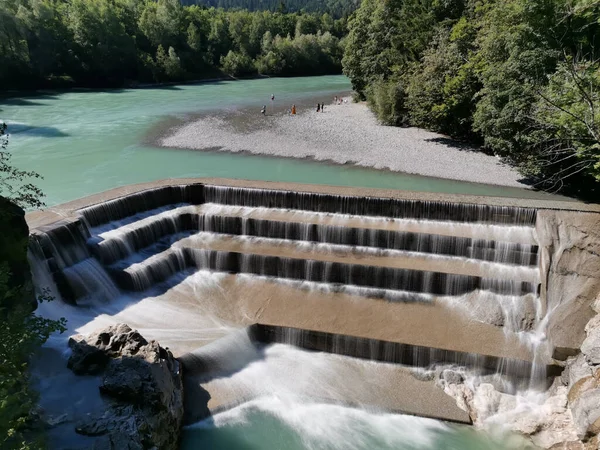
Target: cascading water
{"points": [[188, 265]]}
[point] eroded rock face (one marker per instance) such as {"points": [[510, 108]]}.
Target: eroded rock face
{"points": [[570, 256], [584, 384], [591, 345], [143, 383]]}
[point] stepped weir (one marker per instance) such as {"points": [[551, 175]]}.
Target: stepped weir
{"points": [[390, 276]]}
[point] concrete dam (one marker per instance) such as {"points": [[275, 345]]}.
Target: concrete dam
{"points": [[500, 287]]}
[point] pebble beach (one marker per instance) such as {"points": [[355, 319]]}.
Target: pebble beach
{"points": [[343, 134]]}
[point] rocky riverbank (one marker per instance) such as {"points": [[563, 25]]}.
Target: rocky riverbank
{"points": [[342, 134], [142, 383], [567, 416]]}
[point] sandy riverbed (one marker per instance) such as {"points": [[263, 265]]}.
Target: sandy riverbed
{"points": [[343, 134]]}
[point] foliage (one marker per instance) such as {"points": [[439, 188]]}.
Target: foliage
{"points": [[440, 90], [567, 117], [120, 42], [307, 54], [337, 8], [369, 54], [14, 183], [237, 64], [21, 334], [500, 73], [387, 99]]}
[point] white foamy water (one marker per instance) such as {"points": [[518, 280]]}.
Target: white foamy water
{"points": [[306, 249], [289, 397], [508, 233], [275, 422], [175, 314]]}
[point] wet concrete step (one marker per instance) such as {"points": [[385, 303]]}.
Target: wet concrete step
{"points": [[247, 300], [357, 255], [509, 233], [370, 385], [282, 260], [118, 243]]}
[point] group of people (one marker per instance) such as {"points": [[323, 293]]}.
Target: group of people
{"points": [[320, 106], [263, 110]]}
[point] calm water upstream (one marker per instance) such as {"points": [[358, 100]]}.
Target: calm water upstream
{"points": [[89, 141]]}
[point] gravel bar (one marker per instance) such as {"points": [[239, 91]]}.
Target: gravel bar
{"points": [[344, 134]]}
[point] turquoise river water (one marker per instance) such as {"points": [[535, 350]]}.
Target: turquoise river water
{"points": [[84, 142]]}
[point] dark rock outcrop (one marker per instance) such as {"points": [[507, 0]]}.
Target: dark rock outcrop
{"points": [[143, 384], [14, 240]]}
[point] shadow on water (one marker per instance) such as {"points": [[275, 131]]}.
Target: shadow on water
{"points": [[26, 99], [30, 97], [31, 130]]}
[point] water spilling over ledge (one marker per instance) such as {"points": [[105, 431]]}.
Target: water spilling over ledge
{"points": [[383, 275]]}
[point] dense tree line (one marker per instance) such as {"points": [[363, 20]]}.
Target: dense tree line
{"points": [[519, 77], [122, 42], [337, 8]]}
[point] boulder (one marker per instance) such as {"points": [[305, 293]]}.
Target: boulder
{"points": [[142, 383], [452, 376], [85, 359], [570, 257], [577, 368], [586, 412], [591, 345], [14, 241]]}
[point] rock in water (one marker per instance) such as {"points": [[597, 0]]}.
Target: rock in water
{"points": [[142, 382]]}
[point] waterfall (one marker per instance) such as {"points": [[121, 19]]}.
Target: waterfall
{"points": [[369, 206], [88, 280], [377, 350], [130, 205], [480, 260]]}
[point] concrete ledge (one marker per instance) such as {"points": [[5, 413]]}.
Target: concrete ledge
{"points": [[36, 219], [212, 388], [392, 352]]}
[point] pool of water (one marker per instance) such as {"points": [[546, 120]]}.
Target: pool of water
{"points": [[84, 142], [274, 423]]}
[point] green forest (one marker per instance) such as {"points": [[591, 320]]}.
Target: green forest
{"points": [[337, 8], [49, 43], [520, 78]]}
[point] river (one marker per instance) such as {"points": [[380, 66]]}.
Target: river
{"points": [[84, 142]]}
